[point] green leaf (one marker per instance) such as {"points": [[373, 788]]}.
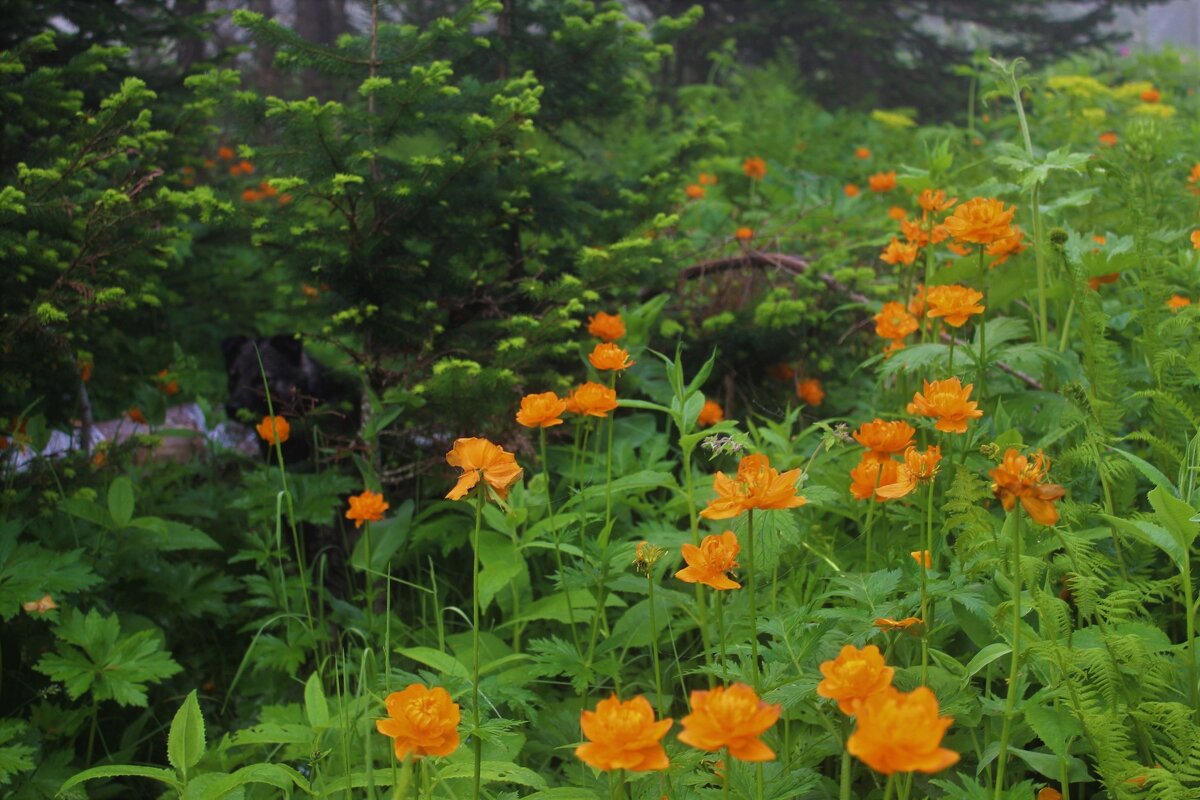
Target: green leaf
{"points": [[185, 741], [315, 706], [29, 572], [165, 535], [1147, 469], [442, 662], [1153, 535], [563, 793], [278, 775], [122, 771], [1050, 766], [1055, 726], [15, 757], [1176, 515], [120, 500], [495, 772], [984, 657], [502, 565]]}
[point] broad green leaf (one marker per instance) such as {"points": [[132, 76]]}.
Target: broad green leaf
{"points": [[555, 606], [280, 776], [502, 564], [563, 793], [166, 535], [15, 757], [1154, 535], [1147, 469], [1176, 515], [185, 741], [1050, 766], [441, 662], [315, 706], [496, 772], [29, 572], [986, 656], [122, 771], [1055, 726], [120, 500]]}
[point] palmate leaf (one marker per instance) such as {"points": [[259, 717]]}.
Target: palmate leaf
{"points": [[28, 572], [15, 756], [92, 655]]}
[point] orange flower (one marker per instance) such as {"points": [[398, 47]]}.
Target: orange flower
{"points": [[592, 399], [251, 195], [1010, 245], [40, 606], [709, 562], [1099, 240], [932, 201], [623, 735], [882, 182], [607, 327], [609, 356], [1048, 793], [917, 468], [744, 234], [707, 179], [862, 153], [1196, 239], [809, 390], [781, 372], [1194, 178], [543, 410], [958, 249], [897, 213], [477, 457], [757, 485], [851, 190], [922, 557], [854, 676], [225, 153], [898, 252], [267, 189], [883, 438], [916, 304], [1108, 139], [167, 385], [1095, 283], [1178, 301], [694, 191], [100, 459], [137, 416], [85, 371], [731, 717], [366, 507], [886, 624], [274, 430], [955, 303], [901, 732], [285, 199], [981, 220], [1018, 477], [869, 475], [421, 722], [710, 414], [947, 402], [894, 322], [1151, 96], [311, 292], [755, 168], [245, 167]]}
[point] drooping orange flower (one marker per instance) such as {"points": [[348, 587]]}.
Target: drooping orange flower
{"points": [[851, 190], [707, 179], [608, 356], [922, 557], [884, 438], [1196, 239], [1108, 139], [40, 606], [592, 399], [869, 475], [1019, 477], [225, 153], [757, 485], [694, 191], [366, 507], [898, 252], [956, 304], [1006, 247], [623, 735], [1151, 96], [709, 562], [1048, 793], [710, 414], [479, 457], [606, 327], [862, 153], [744, 234], [897, 213], [809, 390], [887, 624], [901, 732], [946, 401], [980, 220], [731, 717], [541, 410], [894, 322], [917, 468], [421, 722], [934, 201], [755, 168], [166, 384], [882, 181], [273, 430], [854, 676], [1095, 283], [1178, 301]]}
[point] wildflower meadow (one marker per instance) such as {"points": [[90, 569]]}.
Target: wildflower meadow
{"points": [[463, 407]]}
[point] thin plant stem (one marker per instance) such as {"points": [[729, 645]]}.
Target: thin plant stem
{"points": [[719, 602], [847, 774], [889, 787], [558, 559], [694, 523], [928, 549], [1015, 661], [475, 641], [982, 335], [654, 643], [750, 586]]}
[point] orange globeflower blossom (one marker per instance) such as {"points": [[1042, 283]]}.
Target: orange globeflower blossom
{"points": [[285, 199], [694, 191], [366, 507], [479, 457], [267, 189], [883, 438], [592, 400], [851, 190], [882, 182], [922, 557], [40, 606], [980, 220], [311, 292], [137, 416], [862, 153], [887, 624], [707, 179], [1048, 793], [1019, 477], [1151, 96], [809, 390], [901, 732], [607, 327], [781, 372], [710, 414], [1194, 179], [947, 402], [934, 201], [166, 385], [251, 195], [754, 168], [869, 475], [608, 356], [897, 213], [854, 676], [1011, 245], [623, 735], [757, 485], [917, 303], [542, 410], [917, 468], [245, 167], [709, 562], [1196, 239], [731, 717], [225, 153], [744, 234], [421, 722], [898, 252], [1178, 301], [1095, 283], [1108, 139], [894, 322], [954, 303], [274, 430]]}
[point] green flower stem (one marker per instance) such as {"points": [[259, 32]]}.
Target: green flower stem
{"points": [[719, 602], [558, 559], [750, 586], [654, 643], [605, 533], [928, 548], [694, 521], [982, 334], [479, 495], [847, 774], [871, 504], [889, 787], [1015, 661]]}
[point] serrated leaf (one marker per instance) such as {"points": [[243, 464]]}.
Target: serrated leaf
{"points": [[185, 741], [166, 535], [1154, 535], [315, 706], [1055, 727], [1176, 516], [122, 771]]}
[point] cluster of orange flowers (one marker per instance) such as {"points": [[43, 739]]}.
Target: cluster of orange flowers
{"points": [[265, 191], [895, 731], [879, 474], [166, 384]]}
